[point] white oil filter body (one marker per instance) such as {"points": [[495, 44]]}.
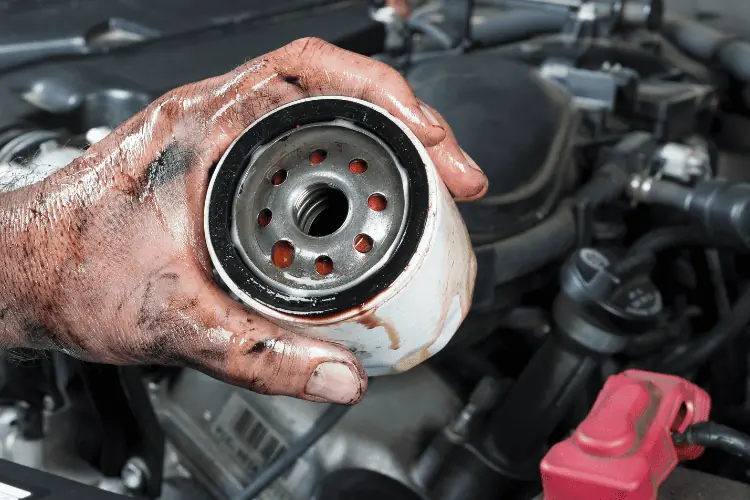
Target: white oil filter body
{"points": [[328, 217]]}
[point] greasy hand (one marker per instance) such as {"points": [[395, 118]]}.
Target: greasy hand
{"points": [[111, 262]]}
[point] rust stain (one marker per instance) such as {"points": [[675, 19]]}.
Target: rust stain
{"points": [[414, 358], [411, 360], [371, 321], [418, 356], [459, 281], [469, 279]]}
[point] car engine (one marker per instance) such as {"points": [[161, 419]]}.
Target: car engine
{"points": [[611, 309]]}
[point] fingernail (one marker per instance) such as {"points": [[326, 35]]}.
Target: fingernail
{"points": [[471, 161], [430, 116], [471, 196], [333, 382]]}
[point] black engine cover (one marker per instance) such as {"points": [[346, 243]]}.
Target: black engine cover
{"points": [[516, 126], [46, 44]]}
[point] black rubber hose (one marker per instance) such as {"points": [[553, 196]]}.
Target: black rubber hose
{"points": [[534, 248], [667, 193], [554, 237], [701, 349], [709, 45], [716, 436], [517, 25], [665, 238], [644, 249], [606, 186], [298, 448]]}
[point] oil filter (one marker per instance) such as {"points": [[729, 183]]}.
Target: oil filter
{"points": [[327, 217]]}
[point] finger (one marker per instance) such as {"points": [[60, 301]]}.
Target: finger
{"points": [[354, 75], [459, 171], [249, 351]]}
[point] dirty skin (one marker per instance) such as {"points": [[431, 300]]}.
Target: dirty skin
{"points": [[109, 261]]}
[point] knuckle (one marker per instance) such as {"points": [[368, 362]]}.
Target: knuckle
{"points": [[159, 116], [305, 47], [309, 43], [167, 102]]}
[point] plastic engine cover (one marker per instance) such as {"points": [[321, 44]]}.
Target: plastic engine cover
{"points": [[514, 124]]}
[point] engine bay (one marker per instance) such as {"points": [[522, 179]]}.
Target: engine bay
{"points": [[611, 251]]}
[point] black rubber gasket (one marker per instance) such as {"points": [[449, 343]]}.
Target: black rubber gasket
{"points": [[277, 124]]}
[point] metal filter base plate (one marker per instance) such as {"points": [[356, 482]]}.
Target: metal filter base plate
{"points": [[320, 209], [317, 207]]}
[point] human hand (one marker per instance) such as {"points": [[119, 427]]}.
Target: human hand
{"points": [[111, 259]]}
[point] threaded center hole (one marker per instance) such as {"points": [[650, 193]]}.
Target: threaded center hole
{"points": [[321, 210]]}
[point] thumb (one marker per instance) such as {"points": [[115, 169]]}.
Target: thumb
{"points": [[249, 351]]}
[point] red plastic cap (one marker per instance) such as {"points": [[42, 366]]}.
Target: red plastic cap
{"points": [[623, 450]]}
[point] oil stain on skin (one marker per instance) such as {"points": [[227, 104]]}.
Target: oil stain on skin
{"points": [[163, 349], [41, 337], [293, 80], [173, 163], [37, 334], [262, 346]]}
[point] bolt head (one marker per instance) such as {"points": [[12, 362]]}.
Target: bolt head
{"points": [[133, 476]]}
